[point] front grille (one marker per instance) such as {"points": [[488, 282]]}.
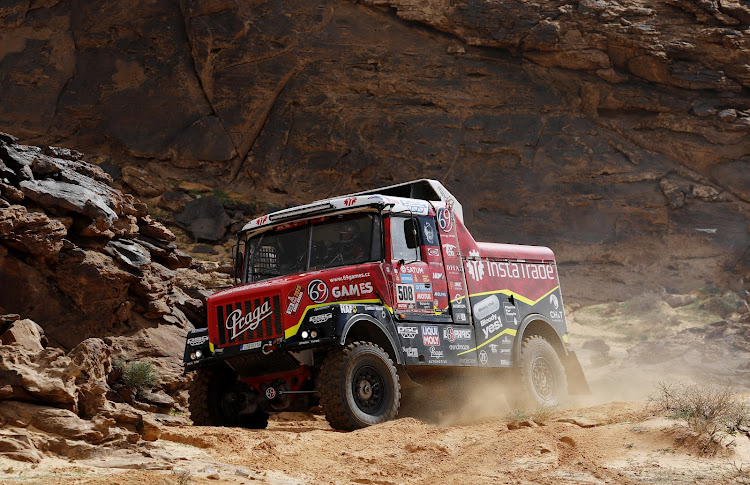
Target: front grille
{"points": [[236, 330]]}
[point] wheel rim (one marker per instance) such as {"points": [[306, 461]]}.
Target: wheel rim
{"points": [[368, 388], [543, 378]]}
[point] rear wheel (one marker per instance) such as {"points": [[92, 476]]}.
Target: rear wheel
{"points": [[543, 377], [359, 386], [217, 398]]}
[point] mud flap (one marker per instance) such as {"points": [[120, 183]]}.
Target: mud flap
{"points": [[577, 383]]}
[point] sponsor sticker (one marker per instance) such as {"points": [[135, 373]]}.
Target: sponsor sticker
{"points": [[423, 287], [413, 269], [408, 332], [450, 250], [430, 335], [483, 358], [410, 352], [438, 276], [318, 319], [445, 219], [349, 277], [238, 324], [486, 307], [353, 289], [348, 308], [452, 334], [433, 252], [293, 300], [476, 269], [196, 341], [429, 234], [425, 305], [493, 348], [407, 278], [436, 354], [511, 313], [318, 291]]}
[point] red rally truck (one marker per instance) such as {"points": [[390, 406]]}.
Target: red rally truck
{"points": [[342, 301]]}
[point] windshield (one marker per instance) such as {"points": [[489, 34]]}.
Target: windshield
{"points": [[320, 244]]}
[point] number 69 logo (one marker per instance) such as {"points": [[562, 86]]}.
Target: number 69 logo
{"points": [[444, 219], [318, 291]]}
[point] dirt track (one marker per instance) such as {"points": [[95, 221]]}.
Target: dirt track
{"points": [[615, 443], [610, 437]]}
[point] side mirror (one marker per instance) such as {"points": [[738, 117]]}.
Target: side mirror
{"points": [[410, 231], [238, 261]]}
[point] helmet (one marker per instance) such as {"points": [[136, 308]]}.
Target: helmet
{"points": [[348, 231]]}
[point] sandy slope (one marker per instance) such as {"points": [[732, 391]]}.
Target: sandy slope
{"points": [[614, 443]]}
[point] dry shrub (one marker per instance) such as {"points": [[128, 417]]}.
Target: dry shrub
{"points": [[713, 413], [140, 374]]}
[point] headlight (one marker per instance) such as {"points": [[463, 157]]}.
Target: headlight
{"points": [[192, 356], [198, 354], [313, 334], [304, 334]]}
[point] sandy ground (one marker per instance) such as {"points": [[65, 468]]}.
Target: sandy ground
{"points": [[613, 443], [613, 436]]}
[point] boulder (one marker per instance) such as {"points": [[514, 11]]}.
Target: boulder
{"points": [[31, 232], [19, 447], [205, 218], [67, 196], [25, 334], [142, 182], [129, 253], [52, 420], [43, 376], [92, 356]]}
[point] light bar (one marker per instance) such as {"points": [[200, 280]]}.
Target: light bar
{"points": [[300, 211]]}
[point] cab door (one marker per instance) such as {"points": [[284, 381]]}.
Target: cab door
{"points": [[410, 279]]}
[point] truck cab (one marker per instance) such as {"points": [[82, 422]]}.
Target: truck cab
{"points": [[340, 300]]}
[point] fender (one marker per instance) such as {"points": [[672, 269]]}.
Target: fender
{"points": [[532, 317], [383, 328]]}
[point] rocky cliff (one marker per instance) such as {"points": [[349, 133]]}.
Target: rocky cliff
{"points": [[615, 132]]}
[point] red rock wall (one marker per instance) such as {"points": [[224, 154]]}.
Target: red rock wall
{"points": [[615, 133]]}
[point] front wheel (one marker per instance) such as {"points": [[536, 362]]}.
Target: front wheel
{"points": [[543, 377], [217, 398], [359, 386]]}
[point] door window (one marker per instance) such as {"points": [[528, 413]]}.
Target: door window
{"points": [[405, 239]]}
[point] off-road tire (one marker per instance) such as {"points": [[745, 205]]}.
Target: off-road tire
{"points": [[198, 391], [346, 409], [204, 401], [542, 374]]}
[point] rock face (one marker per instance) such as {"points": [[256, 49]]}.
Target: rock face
{"points": [[606, 130], [80, 256], [51, 401]]}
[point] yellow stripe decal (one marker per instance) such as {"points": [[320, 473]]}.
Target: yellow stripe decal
{"points": [[507, 331], [292, 331], [517, 296], [565, 338]]}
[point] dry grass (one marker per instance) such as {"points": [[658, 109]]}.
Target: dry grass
{"points": [[713, 413], [140, 375]]}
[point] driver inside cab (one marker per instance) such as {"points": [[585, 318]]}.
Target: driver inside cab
{"points": [[353, 248]]}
